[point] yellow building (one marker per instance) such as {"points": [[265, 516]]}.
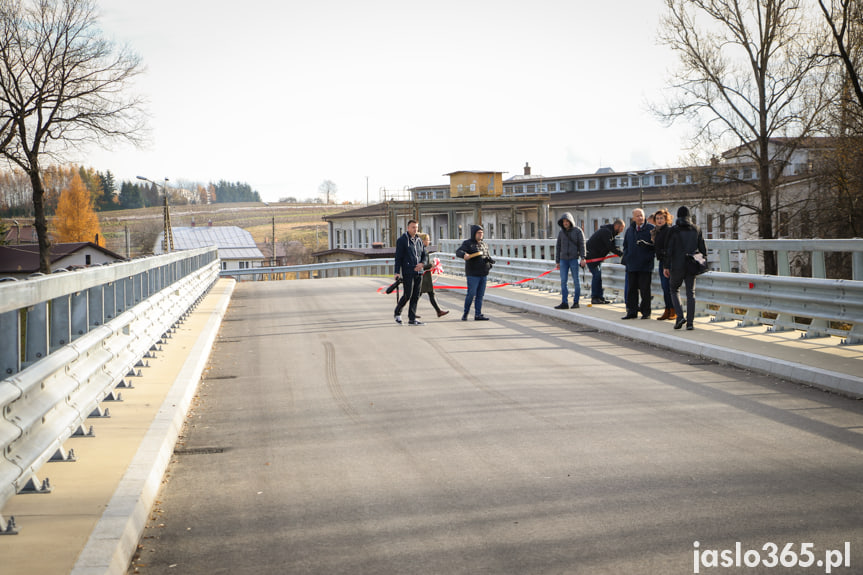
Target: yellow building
{"points": [[466, 184]]}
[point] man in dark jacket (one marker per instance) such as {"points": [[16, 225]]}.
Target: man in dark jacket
{"points": [[411, 257], [600, 244], [639, 259], [684, 238], [477, 263], [569, 255]]}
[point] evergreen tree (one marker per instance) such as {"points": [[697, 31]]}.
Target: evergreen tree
{"points": [[130, 196], [106, 201]]}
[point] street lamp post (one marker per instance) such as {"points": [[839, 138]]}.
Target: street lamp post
{"points": [[273, 245], [168, 239]]}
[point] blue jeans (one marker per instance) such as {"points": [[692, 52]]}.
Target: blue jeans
{"points": [[567, 266], [475, 290], [666, 290], [595, 281]]}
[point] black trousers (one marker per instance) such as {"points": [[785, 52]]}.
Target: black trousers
{"points": [[674, 285], [433, 301], [639, 283], [411, 284]]}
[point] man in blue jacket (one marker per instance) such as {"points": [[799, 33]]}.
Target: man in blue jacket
{"points": [[639, 259], [411, 257]]}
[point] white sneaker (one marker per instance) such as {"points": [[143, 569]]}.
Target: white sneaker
{"points": [[398, 319]]}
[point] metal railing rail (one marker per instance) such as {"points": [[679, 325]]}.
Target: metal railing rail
{"points": [[374, 267], [722, 252], [819, 307], [121, 311]]}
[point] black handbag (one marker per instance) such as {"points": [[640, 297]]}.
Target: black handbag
{"points": [[696, 264]]}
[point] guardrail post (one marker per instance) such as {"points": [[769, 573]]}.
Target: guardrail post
{"points": [[752, 262], [96, 304], [10, 344], [110, 301], [783, 263], [818, 328], [819, 269], [60, 324], [724, 260], [80, 314], [36, 338], [857, 266]]}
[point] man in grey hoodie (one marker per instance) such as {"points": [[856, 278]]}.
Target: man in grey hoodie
{"points": [[569, 256]]}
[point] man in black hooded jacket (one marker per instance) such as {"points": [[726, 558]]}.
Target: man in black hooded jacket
{"points": [[684, 238], [600, 244]]}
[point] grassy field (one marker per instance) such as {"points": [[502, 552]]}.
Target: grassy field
{"points": [[294, 222]]}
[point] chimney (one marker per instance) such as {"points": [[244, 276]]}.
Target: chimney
{"points": [[526, 169]]}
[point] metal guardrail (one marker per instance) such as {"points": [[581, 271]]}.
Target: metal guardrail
{"points": [[85, 332], [373, 267], [747, 254], [818, 307]]}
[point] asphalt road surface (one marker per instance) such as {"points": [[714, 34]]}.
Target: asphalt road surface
{"points": [[328, 440]]}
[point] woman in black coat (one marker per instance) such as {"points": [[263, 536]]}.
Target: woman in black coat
{"points": [[683, 239], [663, 221]]}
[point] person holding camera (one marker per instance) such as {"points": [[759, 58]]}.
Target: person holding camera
{"points": [[477, 264], [411, 258]]}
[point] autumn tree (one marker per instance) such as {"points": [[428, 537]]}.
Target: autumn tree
{"points": [[749, 72], [76, 221], [62, 86]]}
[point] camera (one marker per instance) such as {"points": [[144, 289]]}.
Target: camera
{"points": [[394, 285]]}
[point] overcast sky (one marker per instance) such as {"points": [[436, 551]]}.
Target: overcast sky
{"points": [[285, 95]]}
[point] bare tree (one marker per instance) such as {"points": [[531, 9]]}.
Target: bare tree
{"points": [[749, 74], [840, 195], [845, 20], [328, 188], [62, 85]]}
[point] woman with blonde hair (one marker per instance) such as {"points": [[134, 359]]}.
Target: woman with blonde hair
{"points": [[660, 241], [426, 284]]}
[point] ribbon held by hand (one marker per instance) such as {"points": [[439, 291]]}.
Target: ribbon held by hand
{"points": [[437, 268]]}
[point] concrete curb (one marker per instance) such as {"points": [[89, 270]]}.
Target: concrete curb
{"points": [[829, 380], [115, 538]]}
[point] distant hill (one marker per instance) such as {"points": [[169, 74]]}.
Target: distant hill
{"points": [[294, 222]]}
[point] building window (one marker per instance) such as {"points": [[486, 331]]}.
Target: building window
{"points": [[657, 180], [491, 231], [579, 185], [224, 265], [87, 259], [532, 229], [612, 182], [591, 184], [503, 231]]}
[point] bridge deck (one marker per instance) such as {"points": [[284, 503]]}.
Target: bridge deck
{"points": [[326, 439]]}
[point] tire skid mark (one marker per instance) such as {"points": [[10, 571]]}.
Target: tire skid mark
{"points": [[478, 383], [335, 387]]}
